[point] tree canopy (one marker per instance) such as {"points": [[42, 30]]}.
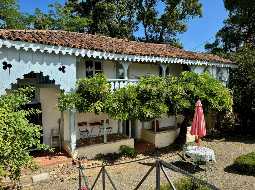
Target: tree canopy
{"points": [[243, 85], [236, 40], [151, 98], [10, 16], [156, 20], [121, 18], [163, 26], [238, 29]]}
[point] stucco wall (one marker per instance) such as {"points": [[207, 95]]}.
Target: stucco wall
{"points": [[160, 139], [50, 112], [91, 151], [166, 138], [91, 118], [137, 70], [174, 69], [109, 68], [24, 62]]}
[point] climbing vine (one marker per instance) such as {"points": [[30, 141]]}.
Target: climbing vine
{"points": [[149, 99]]}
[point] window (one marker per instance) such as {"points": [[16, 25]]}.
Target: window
{"points": [[186, 67], [92, 68], [220, 74]]}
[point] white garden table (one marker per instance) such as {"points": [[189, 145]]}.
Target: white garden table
{"points": [[200, 154]]}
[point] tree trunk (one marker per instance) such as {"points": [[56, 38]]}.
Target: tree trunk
{"points": [[183, 129]]}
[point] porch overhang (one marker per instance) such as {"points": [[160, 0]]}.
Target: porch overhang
{"points": [[107, 55]]}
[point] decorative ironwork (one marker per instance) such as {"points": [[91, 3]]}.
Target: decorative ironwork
{"points": [[7, 66], [62, 68]]}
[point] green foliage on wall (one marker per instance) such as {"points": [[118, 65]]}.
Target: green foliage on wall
{"points": [[212, 93], [90, 95], [151, 95], [123, 104], [17, 135], [151, 98]]}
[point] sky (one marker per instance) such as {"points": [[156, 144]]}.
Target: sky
{"points": [[200, 30]]}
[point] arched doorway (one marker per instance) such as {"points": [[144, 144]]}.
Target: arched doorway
{"points": [[45, 99]]}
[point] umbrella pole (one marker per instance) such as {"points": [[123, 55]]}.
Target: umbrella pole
{"points": [[197, 140]]}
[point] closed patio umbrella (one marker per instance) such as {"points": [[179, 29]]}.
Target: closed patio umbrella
{"points": [[198, 125]]}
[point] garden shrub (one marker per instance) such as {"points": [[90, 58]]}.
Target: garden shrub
{"points": [[90, 95], [185, 184], [151, 96], [245, 164], [127, 151], [17, 135]]}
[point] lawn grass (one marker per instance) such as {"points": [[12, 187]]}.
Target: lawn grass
{"points": [[245, 164], [185, 184]]}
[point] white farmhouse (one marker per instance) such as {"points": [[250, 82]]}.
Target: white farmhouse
{"points": [[54, 60]]}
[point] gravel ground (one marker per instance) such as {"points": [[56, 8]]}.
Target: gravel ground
{"points": [[127, 176]]}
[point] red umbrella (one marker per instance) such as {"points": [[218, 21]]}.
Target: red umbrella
{"points": [[198, 125]]}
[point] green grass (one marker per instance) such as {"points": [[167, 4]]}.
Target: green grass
{"points": [[245, 164], [185, 184]]}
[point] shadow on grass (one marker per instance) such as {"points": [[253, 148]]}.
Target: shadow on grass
{"points": [[234, 169]]}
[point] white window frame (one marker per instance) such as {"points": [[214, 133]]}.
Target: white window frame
{"points": [[85, 61]]}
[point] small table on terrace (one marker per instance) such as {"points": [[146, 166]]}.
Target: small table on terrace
{"points": [[200, 154]]}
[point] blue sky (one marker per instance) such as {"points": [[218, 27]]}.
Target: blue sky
{"points": [[200, 30]]}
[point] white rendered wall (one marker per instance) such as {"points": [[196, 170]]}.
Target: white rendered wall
{"points": [[91, 118], [24, 62], [137, 70], [50, 112], [174, 69], [109, 69], [198, 69], [92, 151]]}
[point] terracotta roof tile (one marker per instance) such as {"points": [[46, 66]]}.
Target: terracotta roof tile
{"points": [[105, 44]]}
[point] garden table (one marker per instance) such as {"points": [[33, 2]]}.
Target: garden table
{"points": [[200, 154]]}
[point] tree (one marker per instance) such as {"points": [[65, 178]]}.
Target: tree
{"points": [[10, 16], [151, 95], [151, 98], [214, 96], [17, 135], [123, 104], [163, 26], [236, 40], [90, 95], [121, 18], [115, 18], [58, 18], [243, 85], [239, 27]]}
